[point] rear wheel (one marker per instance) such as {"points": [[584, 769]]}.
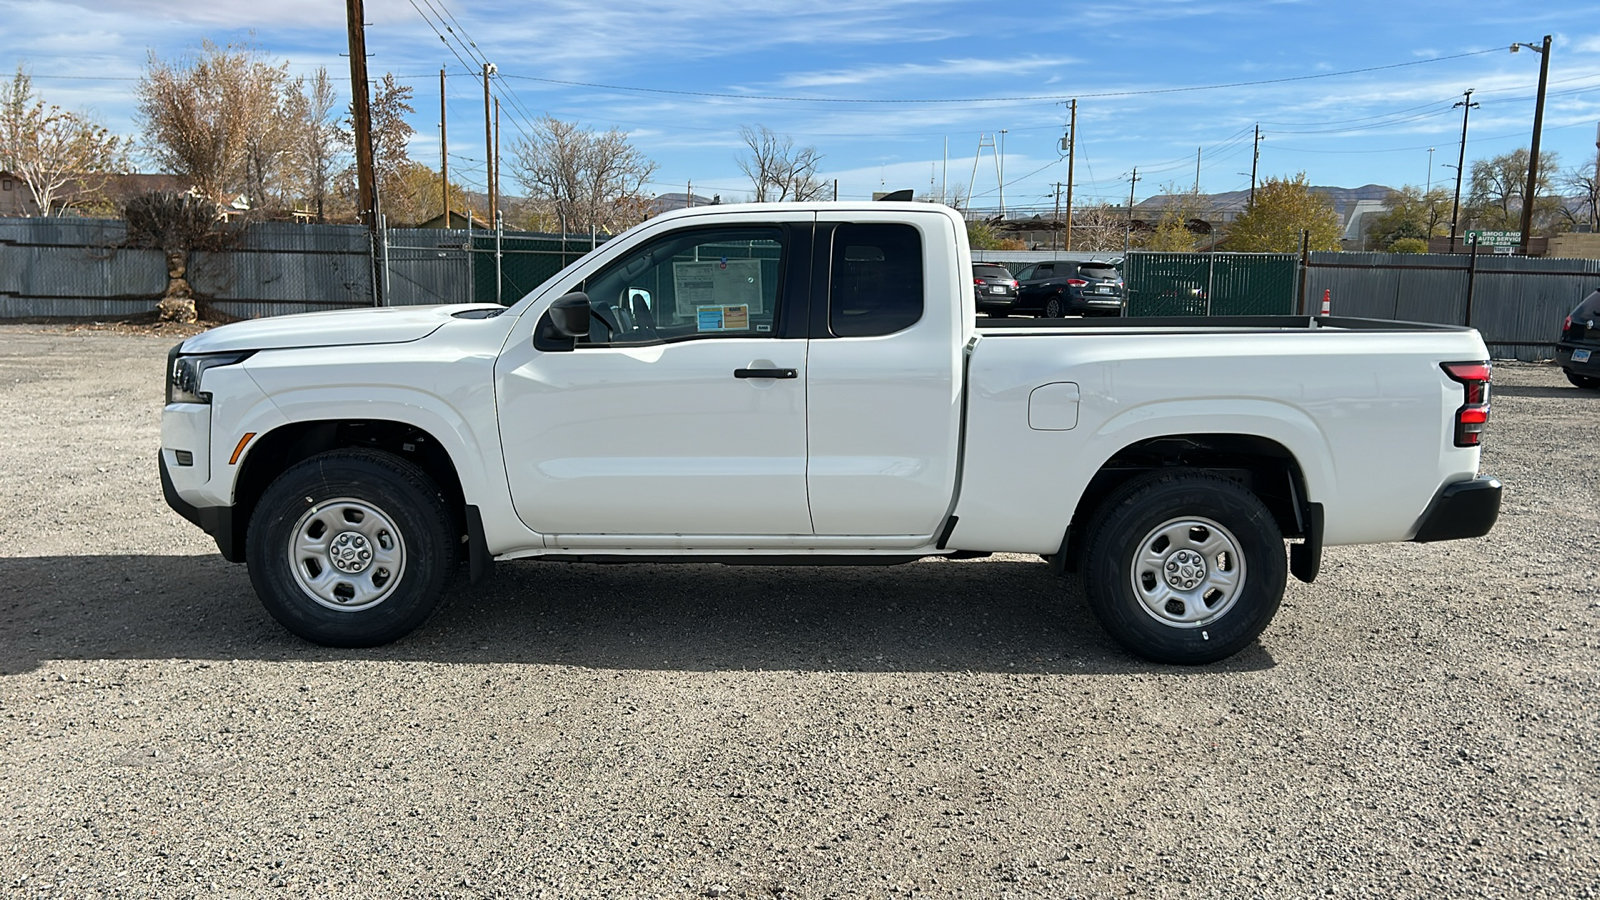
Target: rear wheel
{"points": [[351, 548], [1052, 308], [1584, 381], [1184, 567]]}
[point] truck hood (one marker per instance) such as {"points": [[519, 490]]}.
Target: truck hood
{"points": [[388, 325]]}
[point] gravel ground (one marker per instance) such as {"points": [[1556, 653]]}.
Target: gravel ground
{"points": [[1421, 722]]}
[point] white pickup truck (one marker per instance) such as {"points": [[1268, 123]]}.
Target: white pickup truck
{"points": [[808, 383]]}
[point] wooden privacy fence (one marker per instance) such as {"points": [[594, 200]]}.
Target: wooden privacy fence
{"points": [[1516, 302]]}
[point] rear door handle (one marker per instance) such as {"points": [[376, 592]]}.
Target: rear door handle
{"points": [[765, 373]]}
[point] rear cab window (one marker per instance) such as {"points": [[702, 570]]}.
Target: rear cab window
{"points": [[876, 284]]}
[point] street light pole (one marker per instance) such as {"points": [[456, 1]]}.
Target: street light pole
{"points": [[1461, 161], [1533, 152]]}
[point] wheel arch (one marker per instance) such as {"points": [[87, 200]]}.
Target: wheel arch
{"points": [[1261, 465], [272, 453]]}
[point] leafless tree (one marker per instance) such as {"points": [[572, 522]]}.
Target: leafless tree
{"points": [[51, 148], [1584, 182], [776, 169], [393, 169], [1498, 185], [218, 119], [1098, 228], [318, 140], [590, 179]]}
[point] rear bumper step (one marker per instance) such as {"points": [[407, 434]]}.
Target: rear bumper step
{"points": [[1464, 509]]}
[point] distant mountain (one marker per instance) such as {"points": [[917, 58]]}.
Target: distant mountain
{"points": [[1342, 198]]}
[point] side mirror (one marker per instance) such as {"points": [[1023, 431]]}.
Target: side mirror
{"points": [[570, 315]]}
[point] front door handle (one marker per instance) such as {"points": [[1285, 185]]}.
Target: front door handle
{"points": [[765, 373]]}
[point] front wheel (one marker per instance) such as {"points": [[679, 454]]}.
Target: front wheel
{"points": [[1184, 567], [351, 548]]}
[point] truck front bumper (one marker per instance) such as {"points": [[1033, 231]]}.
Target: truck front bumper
{"points": [[216, 521], [1462, 509]]}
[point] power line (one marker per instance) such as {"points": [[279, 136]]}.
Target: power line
{"points": [[1053, 98]]}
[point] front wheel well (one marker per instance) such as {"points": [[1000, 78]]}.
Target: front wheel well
{"points": [[1260, 465], [273, 453]]}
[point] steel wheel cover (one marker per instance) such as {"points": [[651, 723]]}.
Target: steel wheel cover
{"points": [[346, 554], [1187, 572]]}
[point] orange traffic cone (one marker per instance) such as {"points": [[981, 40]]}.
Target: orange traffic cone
{"points": [[1327, 299]]}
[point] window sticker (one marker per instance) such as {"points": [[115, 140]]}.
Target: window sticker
{"points": [[725, 282], [722, 318]]}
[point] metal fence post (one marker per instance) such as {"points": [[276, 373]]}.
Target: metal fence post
{"points": [[1472, 275], [383, 231], [1211, 272], [1305, 262]]}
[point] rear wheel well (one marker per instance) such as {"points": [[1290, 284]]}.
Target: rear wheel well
{"points": [[274, 452], [1260, 465]]}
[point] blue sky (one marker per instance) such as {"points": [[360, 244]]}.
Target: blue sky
{"points": [[881, 88]]}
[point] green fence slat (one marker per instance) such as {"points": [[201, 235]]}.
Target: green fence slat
{"points": [[1221, 284]]}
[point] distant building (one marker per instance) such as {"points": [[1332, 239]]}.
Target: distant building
{"points": [[1359, 216], [108, 191], [664, 203], [458, 219]]}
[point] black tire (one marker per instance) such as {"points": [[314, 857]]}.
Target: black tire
{"points": [[1586, 382], [1218, 539], [387, 556], [997, 314], [1051, 308]]}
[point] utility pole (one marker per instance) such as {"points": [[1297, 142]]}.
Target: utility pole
{"points": [[488, 142], [1533, 152], [361, 111], [1072, 145], [1255, 157], [1197, 169], [1127, 234], [1466, 105], [1057, 227], [444, 152], [496, 199], [1430, 173]]}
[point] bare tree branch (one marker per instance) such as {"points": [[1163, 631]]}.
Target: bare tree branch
{"points": [[777, 171], [588, 179]]}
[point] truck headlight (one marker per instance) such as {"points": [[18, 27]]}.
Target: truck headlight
{"points": [[184, 373]]}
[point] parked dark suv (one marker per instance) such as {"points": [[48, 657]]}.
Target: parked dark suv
{"points": [[1578, 350], [995, 288], [1066, 288]]}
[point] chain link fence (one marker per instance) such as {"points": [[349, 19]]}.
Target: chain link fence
{"points": [[81, 268]]}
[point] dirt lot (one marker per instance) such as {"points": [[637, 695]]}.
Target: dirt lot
{"points": [[1424, 721]]}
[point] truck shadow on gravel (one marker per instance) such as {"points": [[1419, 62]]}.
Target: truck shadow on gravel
{"points": [[1001, 615]]}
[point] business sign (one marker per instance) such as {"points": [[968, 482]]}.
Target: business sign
{"points": [[1495, 238]]}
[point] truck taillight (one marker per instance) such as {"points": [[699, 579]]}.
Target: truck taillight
{"points": [[1474, 412]]}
